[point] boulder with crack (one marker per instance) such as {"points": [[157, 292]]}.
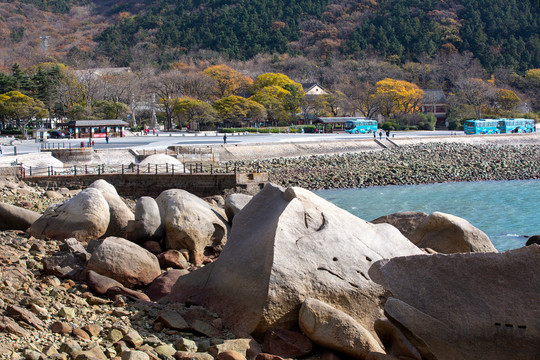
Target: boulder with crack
{"points": [[287, 245]]}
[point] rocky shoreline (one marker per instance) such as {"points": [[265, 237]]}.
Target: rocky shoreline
{"points": [[404, 165]]}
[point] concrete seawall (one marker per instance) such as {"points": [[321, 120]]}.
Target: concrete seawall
{"points": [[260, 151]]}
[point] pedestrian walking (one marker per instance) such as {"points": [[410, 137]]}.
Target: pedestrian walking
{"points": [[107, 139], [224, 138], [380, 135]]}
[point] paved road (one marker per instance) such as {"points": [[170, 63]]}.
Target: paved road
{"points": [[163, 140]]}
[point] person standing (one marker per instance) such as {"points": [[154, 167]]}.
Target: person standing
{"points": [[225, 138], [107, 138]]}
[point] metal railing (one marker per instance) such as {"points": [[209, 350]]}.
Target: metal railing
{"points": [[134, 169]]}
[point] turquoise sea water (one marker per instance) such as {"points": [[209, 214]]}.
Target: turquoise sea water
{"points": [[507, 211]]}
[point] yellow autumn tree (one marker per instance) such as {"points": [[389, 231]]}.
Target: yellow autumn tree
{"points": [[281, 96], [398, 97], [506, 100], [228, 81]]}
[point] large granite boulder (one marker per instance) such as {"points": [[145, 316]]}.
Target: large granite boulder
{"points": [[287, 245], [16, 218], [406, 221], [147, 224], [124, 261], [119, 212], [449, 234], [234, 203], [468, 305], [191, 223], [84, 217]]}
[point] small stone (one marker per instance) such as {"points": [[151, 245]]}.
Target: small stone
{"points": [[181, 355], [134, 355], [205, 329], [115, 335], [81, 334], [230, 355], [153, 341], [186, 345], [50, 350], [172, 320], [71, 348], [38, 310], [265, 356], [60, 327], [67, 313], [133, 338], [32, 355], [165, 350], [93, 329]]}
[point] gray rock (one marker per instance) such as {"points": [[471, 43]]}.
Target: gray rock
{"points": [[468, 305], [449, 234], [234, 203], [84, 217], [287, 245], [191, 223], [406, 222], [119, 212], [16, 218], [147, 224], [125, 262]]}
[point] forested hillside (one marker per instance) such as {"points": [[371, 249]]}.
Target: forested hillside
{"points": [[500, 33]]}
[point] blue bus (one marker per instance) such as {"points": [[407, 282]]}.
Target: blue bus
{"points": [[361, 126], [482, 126], [499, 126], [517, 126]]}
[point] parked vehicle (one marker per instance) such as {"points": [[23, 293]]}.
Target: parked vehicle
{"points": [[499, 126], [57, 134], [517, 126], [361, 126]]}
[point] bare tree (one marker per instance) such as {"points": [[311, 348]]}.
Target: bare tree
{"points": [[474, 92]]}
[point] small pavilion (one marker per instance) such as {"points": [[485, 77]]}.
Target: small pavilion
{"points": [[95, 128]]}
